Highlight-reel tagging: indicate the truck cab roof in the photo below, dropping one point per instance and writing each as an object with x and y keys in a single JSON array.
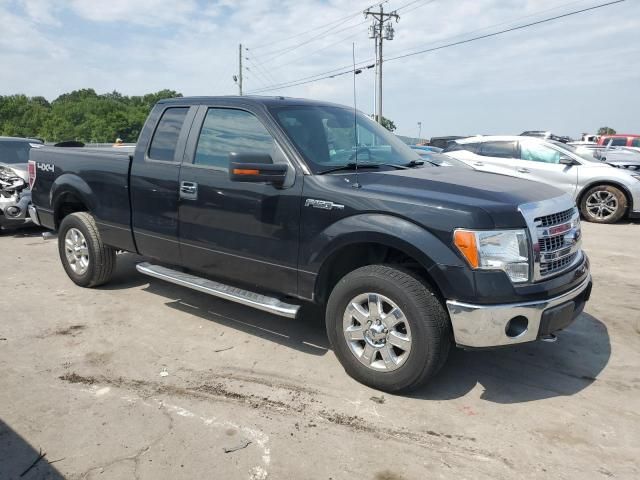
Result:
[{"x": 258, "y": 100}]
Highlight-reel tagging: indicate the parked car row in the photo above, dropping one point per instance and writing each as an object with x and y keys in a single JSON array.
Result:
[
  {"x": 15, "y": 195},
  {"x": 604, "y": 194}
]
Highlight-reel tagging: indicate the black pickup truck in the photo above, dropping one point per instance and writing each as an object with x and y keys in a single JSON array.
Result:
[{"x": 274, "y": 202}]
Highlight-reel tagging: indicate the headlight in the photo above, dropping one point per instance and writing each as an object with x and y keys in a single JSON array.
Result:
[{"x": 506, "y": 250}]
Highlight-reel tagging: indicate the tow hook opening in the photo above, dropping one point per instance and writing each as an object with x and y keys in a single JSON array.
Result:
[{"x": 517, "y": 326}]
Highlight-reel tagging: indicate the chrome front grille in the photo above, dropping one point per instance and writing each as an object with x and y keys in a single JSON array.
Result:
[
  {"x": 551, "y": 243},
  {"x": 555, "y": 218},
  {"x": 555, "y": 232},
  {"x": 547, "y": 268}
]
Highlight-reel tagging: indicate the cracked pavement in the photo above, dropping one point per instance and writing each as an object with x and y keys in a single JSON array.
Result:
[{"x": 82, "y": 379}]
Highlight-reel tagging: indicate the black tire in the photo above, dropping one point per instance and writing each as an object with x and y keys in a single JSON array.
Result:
[
  {"x": 618, "y": 199},
  {"x": 102, "y": 258},
  {"x": 427, "y": 318}
]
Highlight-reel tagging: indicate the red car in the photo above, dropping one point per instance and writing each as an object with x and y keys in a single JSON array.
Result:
[{"x": 620, "y": 140}]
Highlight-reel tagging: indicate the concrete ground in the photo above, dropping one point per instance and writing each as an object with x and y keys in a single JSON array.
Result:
[{"x": 143, "y": 379}]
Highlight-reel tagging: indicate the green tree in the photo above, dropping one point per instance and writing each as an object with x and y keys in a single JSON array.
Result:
[
  {"x": 82, "y": 115},
  {"x": 606, "y": 131},
  {"x": 388, "y": 124}
]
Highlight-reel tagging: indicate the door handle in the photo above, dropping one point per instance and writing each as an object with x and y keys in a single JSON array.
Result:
[
  {"x": 524, "y": 170},
  {"x": 189, "y": 190},
  {"x": 479, "y": 164}
]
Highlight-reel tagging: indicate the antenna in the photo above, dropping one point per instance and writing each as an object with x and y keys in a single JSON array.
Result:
[{"x": 355, "y": 113}]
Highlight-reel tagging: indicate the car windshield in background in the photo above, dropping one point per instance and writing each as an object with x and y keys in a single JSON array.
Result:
[
  {"x": 581, "y": 153},
  {"x": 13, "y": 152},
  {"x": 326, "y": 137}
]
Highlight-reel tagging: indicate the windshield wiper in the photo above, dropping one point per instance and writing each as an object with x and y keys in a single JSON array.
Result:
[
  {"x": 352, "y": 166},
  {"x": 415, "y": 163}
]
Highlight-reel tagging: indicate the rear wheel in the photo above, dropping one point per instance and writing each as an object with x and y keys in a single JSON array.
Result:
[
  {"x": 87, "y": 261},
  {"x": 387, "y": 328},
  {"x": 603, "y": 204}
]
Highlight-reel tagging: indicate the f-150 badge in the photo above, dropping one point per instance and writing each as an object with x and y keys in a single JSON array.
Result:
[{"x": 322, "y": 204}]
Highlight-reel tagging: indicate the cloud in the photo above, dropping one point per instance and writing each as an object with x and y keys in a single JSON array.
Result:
[{"x": 137, "y": 46}]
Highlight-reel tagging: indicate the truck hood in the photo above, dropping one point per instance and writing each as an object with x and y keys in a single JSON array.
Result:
[{"x": 459, "y": 190}]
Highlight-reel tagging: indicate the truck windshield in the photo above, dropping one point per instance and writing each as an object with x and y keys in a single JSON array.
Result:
[{"x": 329, "y": 137}]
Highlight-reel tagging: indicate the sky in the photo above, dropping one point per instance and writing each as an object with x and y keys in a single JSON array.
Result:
[{"x": 573, "y": 75}]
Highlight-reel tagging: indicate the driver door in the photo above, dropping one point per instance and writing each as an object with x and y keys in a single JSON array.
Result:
[{"x": 541, "y": 163}]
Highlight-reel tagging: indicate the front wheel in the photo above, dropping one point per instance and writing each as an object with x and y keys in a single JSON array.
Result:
[
  {"x": 603, "y": 204},
  {"x": 387, "y": 328},
  {"x": 87, "y": 261}
]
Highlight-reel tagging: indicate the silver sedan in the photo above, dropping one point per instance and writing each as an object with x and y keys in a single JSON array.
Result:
[{"x": 603, "y": 192}]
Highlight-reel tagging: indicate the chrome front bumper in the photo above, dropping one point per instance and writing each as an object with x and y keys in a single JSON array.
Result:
[{"x": 479, "y": 326}]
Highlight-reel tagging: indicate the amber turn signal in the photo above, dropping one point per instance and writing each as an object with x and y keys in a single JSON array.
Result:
[
  {"x": 466, "y": 243},
  {"x": 242, "y": 171}
]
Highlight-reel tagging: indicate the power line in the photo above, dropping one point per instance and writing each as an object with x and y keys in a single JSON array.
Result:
[
  {"x": 408, "y": 4},
  {"x": 290, "y": 49},
  {"x": 336, "y": 72},
  {"x": 314, "y": 52},
  {"x": 341, "y": 70},
  {"x": 301, "y": 34},
  {"x": 358, "y": 70},
  {"x": 332, "y": 25},
  {"x": 261, "y": 70},
  {"x": 512, "y": 29}
]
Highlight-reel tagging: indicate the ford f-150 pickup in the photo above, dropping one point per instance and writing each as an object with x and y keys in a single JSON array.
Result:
[{"x": 274, "y": 202}]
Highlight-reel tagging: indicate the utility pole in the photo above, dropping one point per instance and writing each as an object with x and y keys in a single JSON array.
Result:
[
  {"x": 419, "y": 132},
  {"x": 380, "y": 30},
  {"x": 240, "y": 68}
]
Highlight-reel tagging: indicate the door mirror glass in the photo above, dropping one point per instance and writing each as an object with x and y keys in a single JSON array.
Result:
[{"x": 256, "y": 168}]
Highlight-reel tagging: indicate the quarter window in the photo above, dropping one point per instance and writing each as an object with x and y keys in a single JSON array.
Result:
[
  {"x": 165, "y": 138},
  {"x": 226, "y": 131},
  {"x": 498, "y": 149},
  {"x": 537, "y": 152}
]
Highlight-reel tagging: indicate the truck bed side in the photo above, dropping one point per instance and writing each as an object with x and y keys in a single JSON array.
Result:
[{"x": 85, "y": 179}]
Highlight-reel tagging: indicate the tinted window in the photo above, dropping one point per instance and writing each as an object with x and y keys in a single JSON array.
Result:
[
  {"x": 498, "y": 149},
  {"x": 165, "y": 138},
  {"x": 226, "y": 131},
  {"x": 14, "y": 152},
  {"x": 537, "y": 152},
  {"x": 618, "y": 142},
  {"x": 635, "y": 142}
]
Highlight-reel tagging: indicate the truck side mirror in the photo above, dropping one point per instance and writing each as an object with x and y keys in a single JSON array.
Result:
[{"x": 256, "y": 168}]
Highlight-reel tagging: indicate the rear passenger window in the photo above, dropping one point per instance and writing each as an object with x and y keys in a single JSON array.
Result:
[
  {"x": 498, "y": 149},
  {"x": 165, "y": 138},
  {"x": 226, "y": 131},
  {"x": 635, "y": 142},
  {"x": 618, "y": 142}
]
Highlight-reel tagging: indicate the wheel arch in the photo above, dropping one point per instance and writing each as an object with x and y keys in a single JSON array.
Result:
[
  {"x": 69, "y": 194},
  {"x": 610, "y": 183},
  {"x": 380, "y": 239}
]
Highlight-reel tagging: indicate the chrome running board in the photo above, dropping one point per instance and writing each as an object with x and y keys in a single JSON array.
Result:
[{"x": 244, "y": 297}]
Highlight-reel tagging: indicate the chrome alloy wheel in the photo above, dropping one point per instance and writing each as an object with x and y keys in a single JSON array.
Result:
[
  {"x": 76, "y": 250},
  {"x": 601, "y": 204},
  {"x": 377, "y": 332}
]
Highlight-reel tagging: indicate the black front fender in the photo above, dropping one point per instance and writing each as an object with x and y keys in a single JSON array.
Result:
[{"x": 438, "y": 259}]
